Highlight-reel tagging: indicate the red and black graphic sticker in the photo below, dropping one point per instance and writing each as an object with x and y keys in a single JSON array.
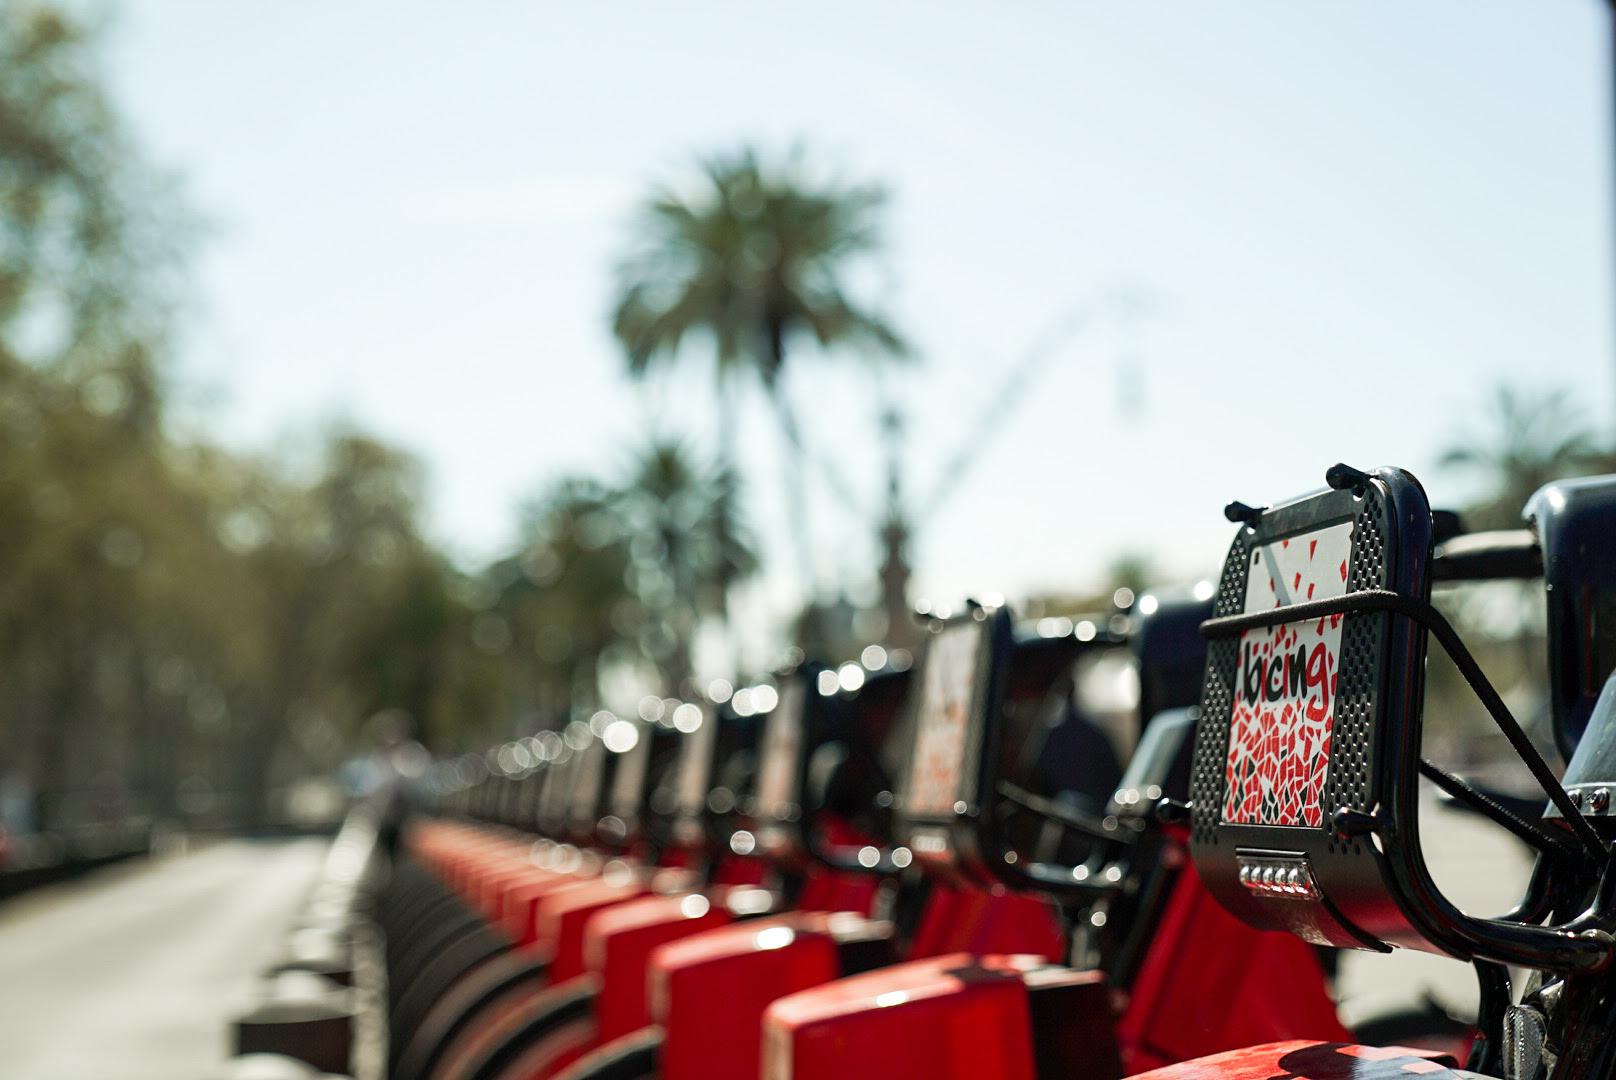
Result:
[{"x": 1285, "y": 684}]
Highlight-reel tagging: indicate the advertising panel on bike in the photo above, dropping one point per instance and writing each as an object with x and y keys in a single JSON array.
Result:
[
  {"x": 1284, "y": 693},
  {"x": 942, "y": 721}
]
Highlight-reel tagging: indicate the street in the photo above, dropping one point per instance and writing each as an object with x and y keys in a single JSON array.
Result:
[{"x": 134, "y": 971}]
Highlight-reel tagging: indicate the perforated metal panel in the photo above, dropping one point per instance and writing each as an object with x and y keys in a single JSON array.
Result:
[
  {"x": 1217, "y": 696},
  {"x": 1292, "y": 870},
  {"x": 1363, "y": 640}
]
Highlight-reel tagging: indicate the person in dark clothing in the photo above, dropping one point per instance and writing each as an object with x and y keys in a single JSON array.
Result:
[{"x": 1061, "y": 753}]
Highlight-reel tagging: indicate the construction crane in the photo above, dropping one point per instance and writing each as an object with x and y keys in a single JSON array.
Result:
[{"x": 899, "y": 519}]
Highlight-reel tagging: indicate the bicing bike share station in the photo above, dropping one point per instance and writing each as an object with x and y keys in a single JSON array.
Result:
[{"x": 938, "y": 873}]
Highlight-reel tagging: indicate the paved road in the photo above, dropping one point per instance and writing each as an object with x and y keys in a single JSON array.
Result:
[{"x": 133, "y": 972}]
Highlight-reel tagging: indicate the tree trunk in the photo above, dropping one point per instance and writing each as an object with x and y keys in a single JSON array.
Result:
[
  {"x": 728, "y": 461},
  {"x": 795, "y": 476},
  {"x": 153, "y": 776},
  {"x": 727, "y": 458},
  {"x": 797, "y": 494}
]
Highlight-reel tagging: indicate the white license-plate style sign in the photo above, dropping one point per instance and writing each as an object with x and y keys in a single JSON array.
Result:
[
  {"x": 947, "y": 687},
  {"x": 1285, "y": 684}
]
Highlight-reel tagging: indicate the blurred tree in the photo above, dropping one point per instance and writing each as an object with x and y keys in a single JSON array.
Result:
[
  {"x": 91, "y": 241},
  {"x": 564, "y": 599},
  {"x": 186, "y": 630},
  {"x": 1529, "y": 438},
  {"x": 620, "y": 572},
  {"x": 754, "y": 259},
  {"x": 353, "y": 605},
  {"x": 1132, "y": 570},
  {"x": 92, "y": 238},
  {"x": 687, "y": 550},
  {"x": 183, "y": 629}
]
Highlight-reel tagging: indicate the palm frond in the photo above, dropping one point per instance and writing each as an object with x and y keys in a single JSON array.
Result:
[
  {"x": 753, "y": 258},
  {"x": 1529, "y": 439}
]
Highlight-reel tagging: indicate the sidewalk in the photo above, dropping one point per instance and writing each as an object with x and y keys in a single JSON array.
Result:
[{"x": 133, "y": 971}]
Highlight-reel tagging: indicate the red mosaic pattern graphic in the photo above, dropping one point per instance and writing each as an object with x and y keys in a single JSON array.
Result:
[
  {"x": 1285, "y": 685},
  {"x": 947, "y": 686}
]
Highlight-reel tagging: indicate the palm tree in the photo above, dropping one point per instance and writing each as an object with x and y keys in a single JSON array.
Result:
[
  {"x": 625, "y": 570},
  {"x": 566, "y": 594},
  {"x": 1529, "y": 440},
  {"x": 687, "y": 549},
  {"x": 753, "y": 261}
]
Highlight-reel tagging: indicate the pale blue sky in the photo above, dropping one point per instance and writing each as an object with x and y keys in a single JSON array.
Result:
[{"x": 417, "y": 208}]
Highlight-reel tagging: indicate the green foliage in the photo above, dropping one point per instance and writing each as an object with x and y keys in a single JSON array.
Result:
[
  {"x": 754, "y": 259},
  {"x": 91, "y": 236},
  {"x": 1527, "y": 439},
  {"x": 172, "y": 611},
  {"x": 622, "y": 573},
  {"x": 175, "y": 617},
  {"x": 185, "y": 629},
  {"x": 1132, "y": 570},
  {"x": 687, "y": 550}
]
